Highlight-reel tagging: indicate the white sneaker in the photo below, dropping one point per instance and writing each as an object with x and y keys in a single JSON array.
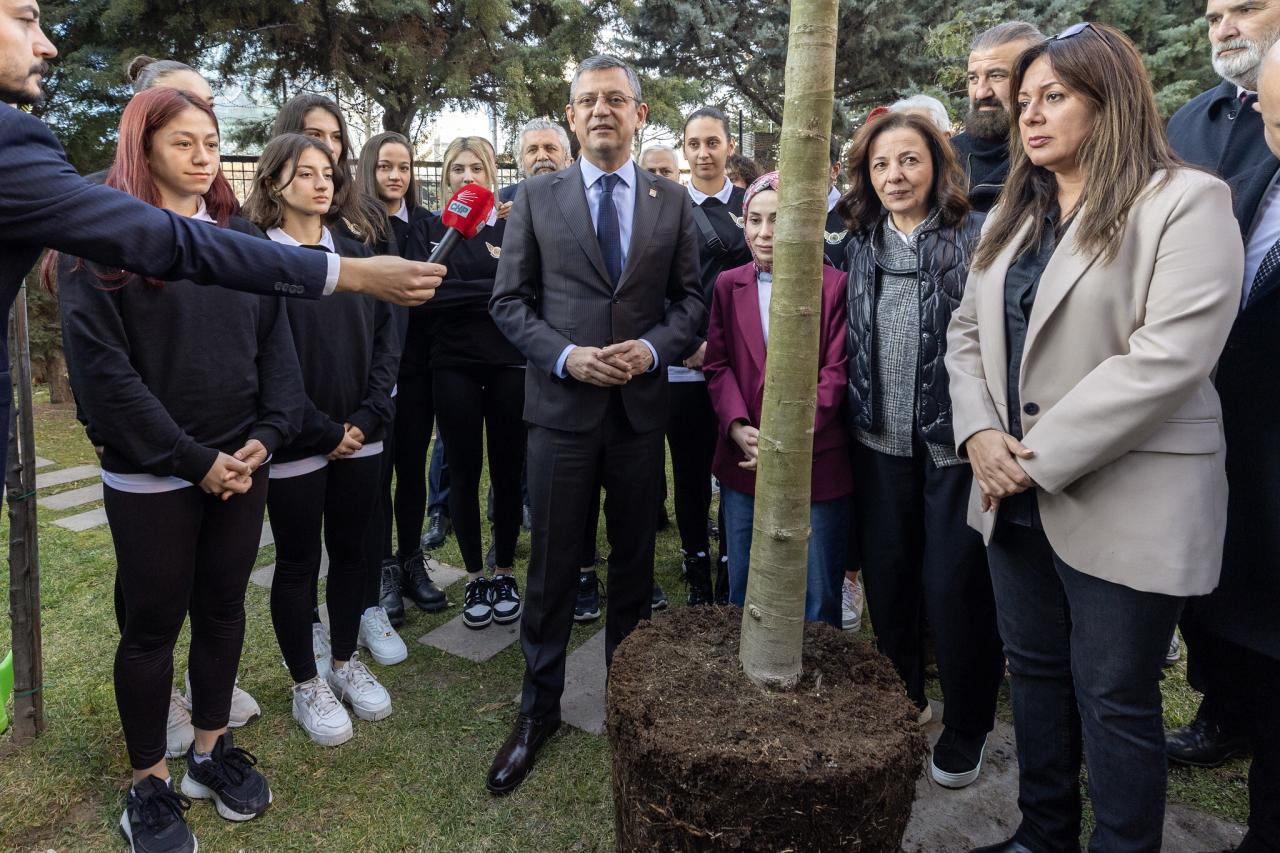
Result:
[
  {"x": 851, "y": 605},
  {"x": 244, "y": 708},
  {"x": 320, "y": 713},
  {"x": 179, "y": 733},
  {"x": 321, "y": 649},
  {"x": 354, "y": 684},
  {"x": 1174, "y": 654},
  {"x": 382, "y": 641}
]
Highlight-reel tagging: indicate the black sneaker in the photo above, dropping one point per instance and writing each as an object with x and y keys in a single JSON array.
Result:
[
  {"x": 477, "y": 603},
  {"x": 587, "y": 607},
  {"x": 228, "y": 778},
  {"x": 506, "y": 599},
  {"x": 722, "y": 581},
  {"x": 438, "y": 527},
  {"x": 957, "y": 758},
  {"x": 659, "y": 599},
  {"x": 417, "y": 586},
  {"x": 697, "y": 574},
  {"x": 389, "y": 597},
  {"x": 154, "y": 819}
]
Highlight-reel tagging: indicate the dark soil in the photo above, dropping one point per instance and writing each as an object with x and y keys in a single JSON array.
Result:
[{"x": 705, "y": 760}]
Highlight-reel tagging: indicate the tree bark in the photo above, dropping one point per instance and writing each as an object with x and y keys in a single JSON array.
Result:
[
  {"x": 773, "y": 620},
  {"x": 55, "y": 375}
]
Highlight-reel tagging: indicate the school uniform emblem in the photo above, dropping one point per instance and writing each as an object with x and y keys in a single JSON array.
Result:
[
  {"x": 834, "y": 238},
  {"x": 494, "y": 251},
  {"x": 737, "y": 220}
]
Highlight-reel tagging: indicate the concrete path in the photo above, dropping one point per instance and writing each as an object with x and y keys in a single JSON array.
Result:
[{"x": 66, "y": 475}]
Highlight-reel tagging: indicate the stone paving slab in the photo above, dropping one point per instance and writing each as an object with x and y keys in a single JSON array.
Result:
[
  {"x": 83, "y": 521},
  {"x": 74, "y": 498},
  {"x": 474, "y": 645},
  {"x": 986, "y": 812},
  {"x": 41, "y": 462},
  {"x": 67, "y": 475},
  {"x": 583, "y": 700}
]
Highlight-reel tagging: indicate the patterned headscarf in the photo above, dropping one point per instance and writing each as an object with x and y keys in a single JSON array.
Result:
[{"x": 767, "y": 181}]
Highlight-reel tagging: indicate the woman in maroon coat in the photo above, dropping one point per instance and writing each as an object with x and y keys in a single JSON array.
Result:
[{"x": 737, "y": 342}]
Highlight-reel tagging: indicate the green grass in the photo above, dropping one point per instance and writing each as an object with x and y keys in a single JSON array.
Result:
[{"x": 412, "y": 781}]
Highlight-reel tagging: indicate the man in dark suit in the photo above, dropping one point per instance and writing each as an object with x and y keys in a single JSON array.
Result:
[
  {"x": 599, "y": 289},
  {"x": 1220, "y": 130},
  {"x": 45, "y": 204}
]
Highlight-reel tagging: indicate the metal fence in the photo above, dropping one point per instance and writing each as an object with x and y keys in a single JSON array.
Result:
[{"x": 239, "y": 170}]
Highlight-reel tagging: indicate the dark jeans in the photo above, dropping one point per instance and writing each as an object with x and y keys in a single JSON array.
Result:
[
  {"x": 917, "y": 553},
  {"x": 1085, "y": 656},
  {"x": 179, "y": 552}
]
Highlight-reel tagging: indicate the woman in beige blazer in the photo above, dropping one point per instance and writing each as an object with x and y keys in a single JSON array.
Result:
[{"x": 1099, "y": 299}]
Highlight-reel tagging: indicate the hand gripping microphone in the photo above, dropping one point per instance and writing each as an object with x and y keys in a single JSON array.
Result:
[{"x": 463, "y": 216}]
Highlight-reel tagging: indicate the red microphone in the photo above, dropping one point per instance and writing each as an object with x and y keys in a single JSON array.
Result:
[{"x": 463, "y": 217}]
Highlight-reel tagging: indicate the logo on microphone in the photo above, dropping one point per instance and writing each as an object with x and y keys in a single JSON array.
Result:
[{"x": 459, "y": 208}]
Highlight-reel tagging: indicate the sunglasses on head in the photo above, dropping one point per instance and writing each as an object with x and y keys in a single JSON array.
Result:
[{"x": 1074, "y": 30}]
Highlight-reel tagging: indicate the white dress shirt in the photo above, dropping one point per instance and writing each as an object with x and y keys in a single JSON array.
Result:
[
  {"x": 1263, "y": 235},
  {"x": 723, "y": 196},
  {"x": 764, "y": 292},
  {"x": 833, "y": 196}
]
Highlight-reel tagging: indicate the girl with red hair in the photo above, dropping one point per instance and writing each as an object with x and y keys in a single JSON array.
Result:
[{"x": 188, "y": 390}]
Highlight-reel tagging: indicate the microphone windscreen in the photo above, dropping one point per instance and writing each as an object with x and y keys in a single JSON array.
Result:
[{"x": 468, "y": 209}]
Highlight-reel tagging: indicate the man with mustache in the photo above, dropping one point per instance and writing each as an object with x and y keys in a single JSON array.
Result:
[
  {"x": 983, "y": 148},
  {"x": 1221, "y": 130},
  {"x": 544, "y": 148},
  {"x": 45, "y": 204}
]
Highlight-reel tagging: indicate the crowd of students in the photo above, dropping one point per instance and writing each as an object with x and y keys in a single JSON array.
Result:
[{"x": 1017, "y": 442}]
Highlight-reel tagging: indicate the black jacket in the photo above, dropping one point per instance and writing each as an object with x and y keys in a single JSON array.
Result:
[
  {"x": 986, "y": 165},
  {"x": 168, "y": 376},
  {"x": 1214, "y": 130},
  {"x": 944, "y": 255}
]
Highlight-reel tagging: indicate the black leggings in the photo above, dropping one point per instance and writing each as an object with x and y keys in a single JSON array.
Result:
[
  {"x": 467, "y": 400},
  {"x": 691, "y": 434},
  {"x": 178, "y": 552},
  {"x": 415, "y": 419},
  {"x": 377, "y": 537},
  {"x": 340, "y": 496}
]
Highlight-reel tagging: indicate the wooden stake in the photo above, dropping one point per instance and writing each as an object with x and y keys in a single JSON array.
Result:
[{"x": 24, "y": 551}]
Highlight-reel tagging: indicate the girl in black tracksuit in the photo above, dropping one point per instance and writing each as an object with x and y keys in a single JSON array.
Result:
[
  {"x": 328, "y": 477},
  {"x": 692, "y": 426},
  {"x": 189, "y": 389},
  {"x": 478, "y": 384}
]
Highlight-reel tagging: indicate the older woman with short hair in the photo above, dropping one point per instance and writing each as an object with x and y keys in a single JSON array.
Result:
[
  {"x": 912, "y": 236},
  {"x": 1080, "y": 359}
]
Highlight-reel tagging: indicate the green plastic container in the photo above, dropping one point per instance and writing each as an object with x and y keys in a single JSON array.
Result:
[{"x": 6, "y": 689}]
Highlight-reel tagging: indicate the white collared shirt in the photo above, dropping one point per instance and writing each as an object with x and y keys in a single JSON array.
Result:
[
  {"x": 699, "y": 196},
  {"x": 833, "y": 196},
  {"x": 624, "y": 198},
  {"x": 403, "y": 213},
  {"x": 764, "y": 292},
  {"x": 278, "y": 234}
]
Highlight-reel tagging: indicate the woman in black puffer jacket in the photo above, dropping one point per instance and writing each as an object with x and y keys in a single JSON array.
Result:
[{"x": 912, "y": 238}]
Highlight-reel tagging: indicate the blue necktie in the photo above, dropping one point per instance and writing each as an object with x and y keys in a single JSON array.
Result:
[{"x": 607, "y": 230}]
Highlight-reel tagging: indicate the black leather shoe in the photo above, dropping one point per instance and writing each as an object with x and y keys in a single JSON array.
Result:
[
  {"x": 1010, "y": 846},
  {"x": 587, "y": 606},
  {"x": 389, "y": 597},
  {"x": 1202, "y": 743},
  {"x": 722, "y": 581},
  {"x": 438, "y": 527},
  {"x": 697, "y": 573},
  {"x": 417, "y": 586},
  {"x": 515, "y": 759}
]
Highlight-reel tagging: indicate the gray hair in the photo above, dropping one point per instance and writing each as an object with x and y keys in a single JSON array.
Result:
[
  {"x": 931, "y": 106},
  {"x": 603, "y": 62},
  {"x": 544, "y": 124},
  {"x": 666, "y": 149},
  {"x": 145, "y": 73},
  {"x": 1006, "y": 33}
]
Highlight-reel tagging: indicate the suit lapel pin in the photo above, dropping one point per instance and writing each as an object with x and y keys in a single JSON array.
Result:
[{"x": 653, "y": 193}]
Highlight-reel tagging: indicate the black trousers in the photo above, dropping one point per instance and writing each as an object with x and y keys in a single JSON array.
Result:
[
  {"x": 565, "y": 473},
  {"x": 180, "y": 552},
  {"x": 411, "y": 435},
  {"x": 472, "y": 404},
  {"x": 692, "y": 428},
  {"x": 377, "y": 537},
  {"x": 337, "y": 500},
  {"x": 915, "y": 549},
  {"x": 1209, "y": 672}
]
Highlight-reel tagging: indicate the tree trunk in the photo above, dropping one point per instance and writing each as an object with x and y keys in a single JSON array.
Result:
[
  {"x": 773, "y": 620},
  {"x": 55, "y": 375}
]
